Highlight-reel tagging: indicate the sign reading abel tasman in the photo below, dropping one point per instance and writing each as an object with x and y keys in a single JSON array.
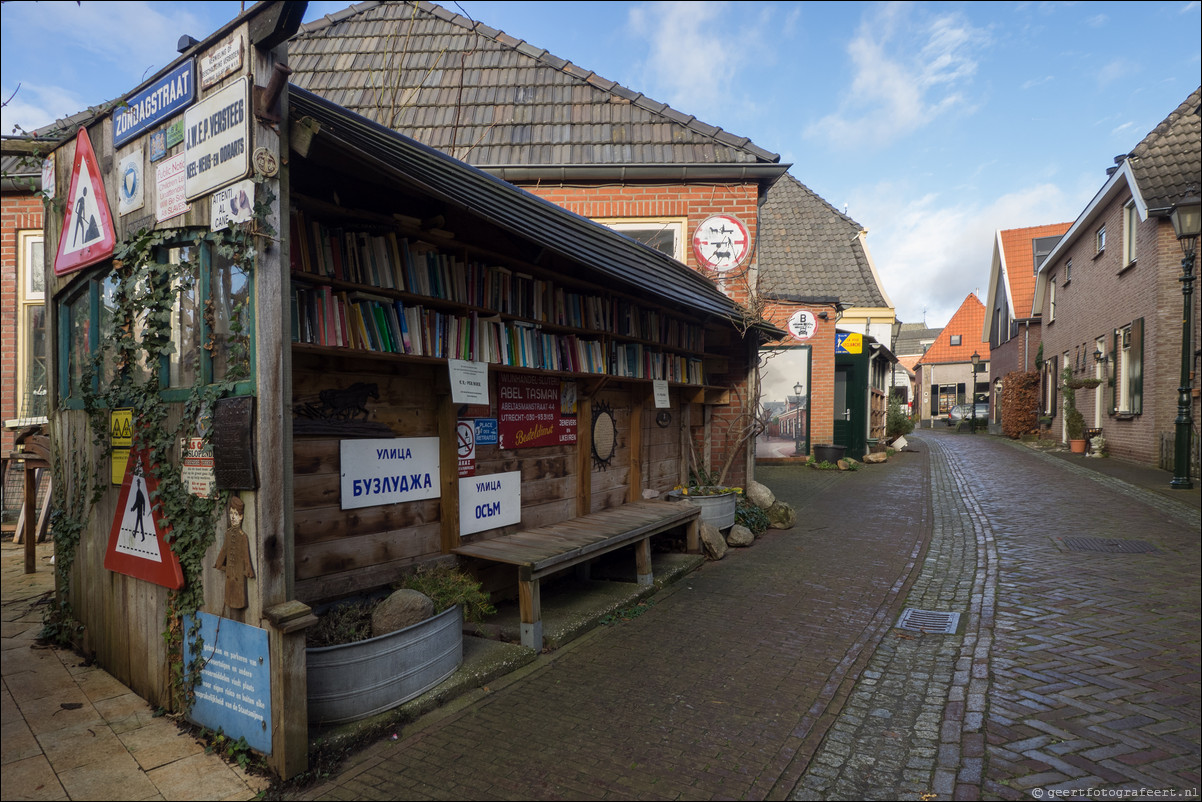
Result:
[
  {"x": 217, "y": 140},
  {"x": 400, "y": 469}
]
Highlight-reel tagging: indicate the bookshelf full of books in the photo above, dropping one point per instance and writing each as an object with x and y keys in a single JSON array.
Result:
[{"x": 372, "y": 288}]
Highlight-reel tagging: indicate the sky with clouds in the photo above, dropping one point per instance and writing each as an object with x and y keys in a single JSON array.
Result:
[{"x": 934, "y": 124}]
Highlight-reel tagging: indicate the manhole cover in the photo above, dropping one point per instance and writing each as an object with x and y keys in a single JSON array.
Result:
[
  {"x": 931, "y": 622},
  {"x": 1107, "y": 545}
]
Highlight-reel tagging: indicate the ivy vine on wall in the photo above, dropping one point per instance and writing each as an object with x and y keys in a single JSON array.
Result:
[{"x": 123, "y": 372}]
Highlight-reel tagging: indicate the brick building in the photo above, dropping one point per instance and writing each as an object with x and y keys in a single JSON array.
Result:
[
  {"x": 1011, "y": 328},
  {"x": 945, "y": 371},
  {"x": 1110, "y": 296}
]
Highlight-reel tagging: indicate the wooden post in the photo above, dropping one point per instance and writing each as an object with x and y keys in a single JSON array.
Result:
[
  {"x": 30, "y": 514},
  {"x": 634, "y": 487},
  {"x": 584, "y": 455},
  {"x": 448, "y": 459},
  {"x": 642, "y": 562},
  {"x": 531, "y": 609}
]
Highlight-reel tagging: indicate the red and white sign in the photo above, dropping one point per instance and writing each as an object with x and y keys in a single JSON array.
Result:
[
  {"x": 88, "y": 236},
  {"x": 465, "y": 447},
  {"x": 803, "y": 324},
  {"x": 136, "y": 546}
]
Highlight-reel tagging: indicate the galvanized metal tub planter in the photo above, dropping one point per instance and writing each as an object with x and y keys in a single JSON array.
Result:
[
  {"x": 351, "y": 681},
  {"x": 829, "y": 453},
  {"x": 717, "y": 504}
]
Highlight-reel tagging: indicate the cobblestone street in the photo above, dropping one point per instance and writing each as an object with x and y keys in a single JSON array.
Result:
[{"x": 779, "y": 673}]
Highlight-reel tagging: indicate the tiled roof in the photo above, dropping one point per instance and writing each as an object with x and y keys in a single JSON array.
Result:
[
  {"x": 490, "y": 99},
  {"x": 807, "y": 248},
  {"x": 910, "y": 339},
  {"x": 967, "y": 322},
  {"x": 1018, "y": 263},
  {"x": 1167, "y": 164}
]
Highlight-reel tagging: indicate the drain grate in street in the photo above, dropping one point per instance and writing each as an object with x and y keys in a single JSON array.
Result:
[
  {"x": 931, "y": 622},
  {"x": 1108, "y": 545}
]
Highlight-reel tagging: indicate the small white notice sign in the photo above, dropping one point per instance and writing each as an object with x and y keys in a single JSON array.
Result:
[
  {"x": 169, "y": 200},
  {"x": 232, "y": 204},
  {"x": 488, "y": 502},
  {"x": 659, "y": 389},
  {"x": 469, "y": 381},
  {"x": 392, "y": 471}
]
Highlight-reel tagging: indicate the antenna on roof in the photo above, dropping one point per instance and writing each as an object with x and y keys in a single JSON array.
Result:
[{"x": 924, "y": 317}]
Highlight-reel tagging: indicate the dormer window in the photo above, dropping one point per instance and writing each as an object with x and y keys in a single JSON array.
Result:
[{"x": 955, "y": 339}]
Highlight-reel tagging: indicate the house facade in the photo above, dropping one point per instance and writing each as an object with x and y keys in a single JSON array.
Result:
[
  {"x": 606, "y": 152},
  {"x": 1011, "y": 329},
  {"x": 1110, "y": 298},
  {"x": 945, "y": 374}
]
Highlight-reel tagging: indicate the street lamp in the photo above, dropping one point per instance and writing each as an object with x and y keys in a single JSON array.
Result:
[
  {"x": 972, "y": 397},
  {"x": 1187, "y": 224},
  {"x": 797, "y": 388}
]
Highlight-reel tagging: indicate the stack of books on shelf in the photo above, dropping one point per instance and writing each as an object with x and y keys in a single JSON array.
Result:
[{"x": 502, "y": 321}]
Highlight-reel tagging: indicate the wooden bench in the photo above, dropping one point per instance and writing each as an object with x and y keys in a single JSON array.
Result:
[{"x": 548, "y": 549}]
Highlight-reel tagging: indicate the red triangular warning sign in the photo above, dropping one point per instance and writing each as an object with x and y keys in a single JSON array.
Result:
[
  {"x": 136, "y": 545},
  {"x": 88, "y": 236}
]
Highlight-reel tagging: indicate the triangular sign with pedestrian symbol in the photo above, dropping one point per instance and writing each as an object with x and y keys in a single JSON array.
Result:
[
  {"x": 136, "y": 546},
  {"x": 88, "y": 236}
]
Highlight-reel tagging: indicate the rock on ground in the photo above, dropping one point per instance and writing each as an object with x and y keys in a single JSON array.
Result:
[{"x": 740, "y": 537}]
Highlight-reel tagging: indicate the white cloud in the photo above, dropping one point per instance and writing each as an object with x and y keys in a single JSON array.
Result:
[
  {"x": 932, "y": 251},
  {"x": 899, "y": 88}
]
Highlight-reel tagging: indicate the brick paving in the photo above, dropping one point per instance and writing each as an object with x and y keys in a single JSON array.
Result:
[{"x": 778, "y": 673}]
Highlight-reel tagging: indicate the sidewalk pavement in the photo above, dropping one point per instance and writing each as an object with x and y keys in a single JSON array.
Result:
[{"x": 71, "y": 731}]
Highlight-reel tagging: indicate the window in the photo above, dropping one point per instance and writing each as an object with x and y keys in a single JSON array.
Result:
[
  {"x": 30, "y": 400},
  {"x": 664, "y": 234},
  {"x": 1068, "y": 271},
  {"x": 955, "y": 339},
  {"x": 1130, "y": 223},
  {"x": 1101, "y": 239},
  {"x": 1051, "y": 298},
  {"x": 210, "y": 327},
  {"x": 1128, "y": 352}
]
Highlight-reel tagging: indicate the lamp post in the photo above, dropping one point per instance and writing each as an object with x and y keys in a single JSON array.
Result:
[
  {"x": 972, "y": 396},
  {"x": 1187, "y": 224},
  {"x": 797, "y": 388}
]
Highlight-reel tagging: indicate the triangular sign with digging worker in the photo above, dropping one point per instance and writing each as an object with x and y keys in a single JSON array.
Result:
[
  {"x": 136, "y": 546},
  {"x": 88, "y": 236}
]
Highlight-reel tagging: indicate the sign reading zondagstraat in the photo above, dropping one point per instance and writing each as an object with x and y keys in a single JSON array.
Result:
[{"x": 158, "y": 103}]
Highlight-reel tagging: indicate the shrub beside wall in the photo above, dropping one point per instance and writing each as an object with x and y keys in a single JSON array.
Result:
[{"x": 1020, "y": 404}]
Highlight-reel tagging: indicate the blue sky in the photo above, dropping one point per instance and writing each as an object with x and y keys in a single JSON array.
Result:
[{"x": 935, "y": 124}]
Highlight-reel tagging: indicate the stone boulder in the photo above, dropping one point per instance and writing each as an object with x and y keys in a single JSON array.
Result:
[
  {"x": 876, "y": 458},
  {"x": 759, "y": 495},
  {"x": 740, "y": 537},
  {"x": 781, "y": 516},
  {"x": 404, "y": 608},
  {"x": 712, "y": 541}
]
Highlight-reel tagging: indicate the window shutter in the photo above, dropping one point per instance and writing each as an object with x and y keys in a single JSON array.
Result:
[
  {"x": 1112, "y": 371},
  {"x": 1137, "y": 366}
]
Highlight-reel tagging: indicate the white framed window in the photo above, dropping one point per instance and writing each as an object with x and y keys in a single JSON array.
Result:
[
  {"x": 1130, "y": 224},
  {"x": 1128, "y": 352},
  {"x": 31, "y": 327},
  {"x": 1068, "y": 271},
  {"x": 1051, "y": 297},
  {"x": 664, "y": 234},
  {"x": 1100, "y": 239}
]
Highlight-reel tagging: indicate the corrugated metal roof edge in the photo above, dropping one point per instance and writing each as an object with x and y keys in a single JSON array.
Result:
[
  {"x": 562, "y": 65},
  {"x": 514, "y": 209}
]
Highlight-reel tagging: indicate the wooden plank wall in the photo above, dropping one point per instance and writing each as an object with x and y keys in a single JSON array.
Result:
[
  {"x": 123, "y": 617},
  {"x": 341, "y": 553}
]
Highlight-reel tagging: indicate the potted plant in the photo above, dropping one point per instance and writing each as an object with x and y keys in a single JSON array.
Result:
[
  {"x": 717, "y": 501},
  {"x": 1074, "y": 421},
  {"x": 368, "y": 672}
]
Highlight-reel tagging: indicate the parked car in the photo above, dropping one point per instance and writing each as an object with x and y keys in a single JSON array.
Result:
[{"x": 962, "y": 411}]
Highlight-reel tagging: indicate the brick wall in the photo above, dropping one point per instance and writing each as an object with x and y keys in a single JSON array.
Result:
[
  {"x": 18, "y": 212},
  {"x": 1100, "y": 298}
]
